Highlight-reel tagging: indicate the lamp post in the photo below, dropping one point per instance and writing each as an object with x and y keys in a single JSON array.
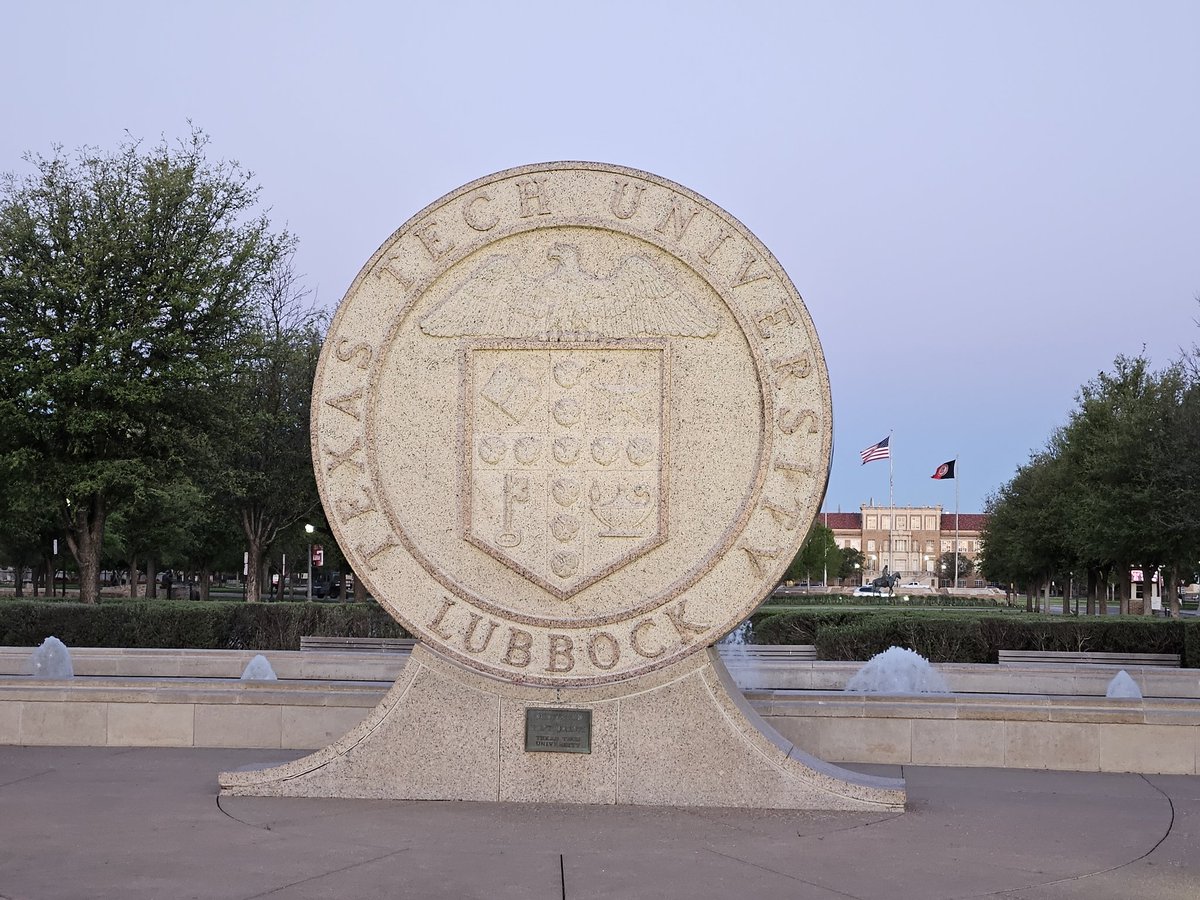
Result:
[{"x": 308, "y": 583}]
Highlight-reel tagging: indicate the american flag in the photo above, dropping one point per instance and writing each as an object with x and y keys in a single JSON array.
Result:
[{"x": 876, "y": 451}]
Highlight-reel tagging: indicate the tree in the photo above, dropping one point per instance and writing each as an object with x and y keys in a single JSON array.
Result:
[
  {"x": 817, "y": 557},
  {"x": 216, "y": 536},
  {"x": 266, "y": 468},
  {"x": 1027, "y": 540},
  {"x": 27, "y": 524},
  {"x": 851, "y": 563},
  {"x": 124, "y": 280},
  {"x": 157, "y": 524},
  {"x": 1121, "y": 418},
  {"x": 965, "y": 565},
  {"x": 1175, "y": 465},
  {"x": 1114, "y": 489}
]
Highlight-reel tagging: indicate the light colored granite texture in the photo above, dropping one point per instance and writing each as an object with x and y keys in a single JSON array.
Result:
[
  {"x": 1068, "y": 680},
  {"x": 1154, "y": 735},
  {"x": 1086, "y": 734},
  {"x": 176, "y": 663},
  {"x": 682, "y": 736},
  {"x": 149, "y": 712},
  {"x": 571, "y": 423}
]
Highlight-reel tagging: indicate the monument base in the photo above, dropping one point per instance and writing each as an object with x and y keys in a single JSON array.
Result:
[{"x": 681, "y": 736}]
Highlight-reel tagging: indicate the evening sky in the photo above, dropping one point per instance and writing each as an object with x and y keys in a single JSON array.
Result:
[{"x": 982, "y": 204}]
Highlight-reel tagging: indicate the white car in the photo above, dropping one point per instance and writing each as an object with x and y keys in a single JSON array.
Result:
[
  {"x": 915, "y": 586},
  {"x": 867, "y": 591}
]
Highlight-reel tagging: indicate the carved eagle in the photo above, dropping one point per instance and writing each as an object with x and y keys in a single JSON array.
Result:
[{"x": 637, "y": 299}]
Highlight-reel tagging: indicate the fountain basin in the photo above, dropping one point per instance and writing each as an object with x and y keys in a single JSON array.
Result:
[
  {"x": 1038, "y": 679},
  {"x": 293, "y": 665},
  {"x": 181, "y": 712},
  {"x": 1037, "y": 716},
  {"x": 1028, "y": 731}
]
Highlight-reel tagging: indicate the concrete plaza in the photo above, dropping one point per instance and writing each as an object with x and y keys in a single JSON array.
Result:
[{"x": 134, "y": 823}]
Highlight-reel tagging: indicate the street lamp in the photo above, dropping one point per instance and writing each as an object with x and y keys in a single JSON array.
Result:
[{"x": 309, "y": 529}]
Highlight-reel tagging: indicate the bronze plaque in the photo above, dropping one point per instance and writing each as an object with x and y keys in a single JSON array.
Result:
[{"x": 558, "y": 730}]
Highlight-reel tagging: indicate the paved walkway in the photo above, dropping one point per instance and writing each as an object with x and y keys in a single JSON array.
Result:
[{"x": 140, "y": 823}]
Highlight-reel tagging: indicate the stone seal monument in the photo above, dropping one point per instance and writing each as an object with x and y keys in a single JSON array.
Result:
[{"x": 570, "y": 425}]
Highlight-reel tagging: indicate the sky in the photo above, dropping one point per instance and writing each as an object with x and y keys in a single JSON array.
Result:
[{"x": 981, "y": 204}]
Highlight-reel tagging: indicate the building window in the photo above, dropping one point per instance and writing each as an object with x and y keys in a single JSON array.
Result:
[
  {"x": 885, "y": 522},
  {"x": 901, "y": 521},
  {"x": 871, "y": 520},
  {"x": 929, "y": 526},
  {"x": 870, "y": 546},
  {"x": 929, "y": 546}
]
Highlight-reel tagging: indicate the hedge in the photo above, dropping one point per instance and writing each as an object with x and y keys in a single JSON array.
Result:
[
  {"x": 768, "y": 627},
  {"x": 940, "y": 636},
  {"x": 898, "y": 600},
  {"x": 214, "y": 625},
  {"x": 959, "y": 637}
]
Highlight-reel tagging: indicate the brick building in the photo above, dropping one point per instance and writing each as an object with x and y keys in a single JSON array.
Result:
[{"x": 908, "y": 539}]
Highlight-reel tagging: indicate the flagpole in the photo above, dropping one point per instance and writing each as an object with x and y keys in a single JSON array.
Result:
[
  {"x": 956, "y": 521},
  {"x": 825, "y": 557},
  {"x": 891, "y": 502}
]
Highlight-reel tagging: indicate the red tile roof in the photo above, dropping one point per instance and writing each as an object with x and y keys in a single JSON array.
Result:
[
  {"x": 966, "y": 522},
  {"x": 840, "y": 521},
  {"x": 844, "y": 521}
]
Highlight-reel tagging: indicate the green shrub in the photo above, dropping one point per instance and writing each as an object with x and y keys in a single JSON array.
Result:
[
  {"x": 1098, "y": 634},
  {"x": 215, "y": 625},
  {"x": 898, "y": 600},
  {"x": 941, "y": 640},
  {"x": 1191, "y": 644},
  {"x": 963, "y": 637},
  {"x": 795, "y": 627},
  {"x": 860, "y": 639}
]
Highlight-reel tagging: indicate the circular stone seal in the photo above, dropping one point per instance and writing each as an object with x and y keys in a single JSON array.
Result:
[{"x": 571, "y": 423}]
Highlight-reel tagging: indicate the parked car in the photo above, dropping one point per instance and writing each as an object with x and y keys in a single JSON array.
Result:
[
  {"x": 868, "y": 591},
  {"x": 792, "y": 587},
  {"x": 323, "y": 588},
  {"x": 915, "y": 586}
]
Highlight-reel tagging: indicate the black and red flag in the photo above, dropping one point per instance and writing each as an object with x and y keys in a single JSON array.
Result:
[{"x": 945, "y": 470}]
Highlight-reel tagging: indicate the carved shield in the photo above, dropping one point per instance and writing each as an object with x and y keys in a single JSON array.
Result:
[{"x": 565, "y": 456}]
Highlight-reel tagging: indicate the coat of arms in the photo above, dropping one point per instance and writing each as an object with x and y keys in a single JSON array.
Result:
[{"x": 566, "y": 398}]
